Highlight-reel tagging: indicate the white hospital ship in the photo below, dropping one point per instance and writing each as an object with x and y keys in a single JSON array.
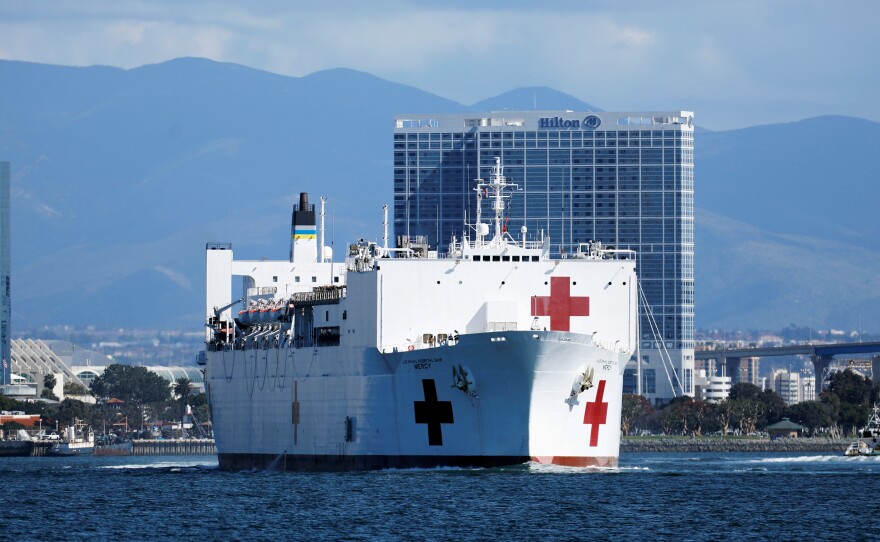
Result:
[{"x": 493, "y": 354}]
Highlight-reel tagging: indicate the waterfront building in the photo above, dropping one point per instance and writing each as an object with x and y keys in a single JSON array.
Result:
[
  {"x": 625, "y": 179},
  {"x": 32, "y": 359},
  {"x": 87, "y": 373},
  {"x": 785, "y": 429}
]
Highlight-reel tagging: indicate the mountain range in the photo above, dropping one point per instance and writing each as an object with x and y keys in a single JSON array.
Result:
[{"x": 120, "y": 177}]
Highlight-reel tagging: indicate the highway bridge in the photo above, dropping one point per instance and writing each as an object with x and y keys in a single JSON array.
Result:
[{"x": 820, "y": 354}]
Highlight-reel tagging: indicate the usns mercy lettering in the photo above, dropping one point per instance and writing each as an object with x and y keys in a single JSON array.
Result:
[{"x": 491, "y": 354}]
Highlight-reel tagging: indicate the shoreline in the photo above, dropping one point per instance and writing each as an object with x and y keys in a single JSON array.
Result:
[{"x": 719, "y": 444}]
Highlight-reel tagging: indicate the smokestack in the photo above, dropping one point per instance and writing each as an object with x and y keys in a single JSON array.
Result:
[{"x": 303, "y": 234}]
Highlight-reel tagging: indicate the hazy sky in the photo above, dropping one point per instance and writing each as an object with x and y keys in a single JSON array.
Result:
[{"x": 735, "y": 63}]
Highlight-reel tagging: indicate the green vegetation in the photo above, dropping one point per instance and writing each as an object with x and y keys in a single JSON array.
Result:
[
  {"x": 146, "y": 397},
  {"x": 72, "y": 388},
  {"x": 49, "y": 384},
  {"x": 134, "y": 385},
  {"x": 182, "y": 389},
  {"x": 843, "y": 408}
]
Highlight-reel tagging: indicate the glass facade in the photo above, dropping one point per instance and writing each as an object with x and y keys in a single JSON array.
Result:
[{"x": 625, "y": 179}]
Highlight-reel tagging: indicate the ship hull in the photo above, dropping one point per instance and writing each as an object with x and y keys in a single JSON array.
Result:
[
  {"x": 120, "y": 449},
  {"x": 328, "y": 463},
  {"x": 67, "y": 451},
  {"x": 490, "y": 399}
]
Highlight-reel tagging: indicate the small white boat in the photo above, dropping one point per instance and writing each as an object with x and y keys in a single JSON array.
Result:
[{"x": 869, "y": 441}]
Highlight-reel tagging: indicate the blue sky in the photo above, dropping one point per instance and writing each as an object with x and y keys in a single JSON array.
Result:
[{"x": 735, "y": 64}]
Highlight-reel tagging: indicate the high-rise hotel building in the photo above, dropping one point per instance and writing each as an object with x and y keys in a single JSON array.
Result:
[
  {"x": 625, "y": 179},
  {"x": 5, "y": 273}
]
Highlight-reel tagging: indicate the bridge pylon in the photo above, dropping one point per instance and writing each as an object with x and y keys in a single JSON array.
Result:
[{"x": 820, "y": 368}]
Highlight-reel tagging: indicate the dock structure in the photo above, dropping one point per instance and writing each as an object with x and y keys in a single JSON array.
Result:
[
  {"x": 24, "y": 448},
  {"x": 173, "y": 447}
]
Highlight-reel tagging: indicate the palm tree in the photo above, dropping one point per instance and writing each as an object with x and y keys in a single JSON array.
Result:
[
  {"x": 49, "y": 383},
  {"x": 182, "y": 388}
]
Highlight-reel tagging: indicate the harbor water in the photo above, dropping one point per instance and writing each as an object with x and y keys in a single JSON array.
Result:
[{"x": 676, "y": 496}]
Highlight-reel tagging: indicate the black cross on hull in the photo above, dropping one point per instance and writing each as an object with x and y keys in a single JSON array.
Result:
[{"x": 433, "y": 412}]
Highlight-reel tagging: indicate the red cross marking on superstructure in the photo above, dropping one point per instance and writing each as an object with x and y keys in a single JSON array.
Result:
[
  {"x": 559, "y": 305},
  {"x": 596, "y": 413}
]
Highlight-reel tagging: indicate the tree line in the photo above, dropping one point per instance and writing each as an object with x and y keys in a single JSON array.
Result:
[
  {"x": 842, "y": 409},
  {"x": 145, "y": 396}
]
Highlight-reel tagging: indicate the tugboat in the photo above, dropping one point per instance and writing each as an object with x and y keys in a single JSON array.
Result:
[
  {"x": 79, "y": 439},
  {"x": 870, "y": 438}
]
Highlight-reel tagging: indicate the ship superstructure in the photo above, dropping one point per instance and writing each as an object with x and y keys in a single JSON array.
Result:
[{"x": 491, "y": 354}]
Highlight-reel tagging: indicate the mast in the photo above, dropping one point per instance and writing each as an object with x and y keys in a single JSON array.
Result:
[
  {"x": 497, "y": 184},
  {"x": 321, "y": 246},
  {"x": 385, "y": 227}
]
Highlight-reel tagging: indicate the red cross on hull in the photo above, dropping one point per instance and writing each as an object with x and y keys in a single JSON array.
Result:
[
  {"x": 559, "y": 305},
  {"x": 596, "y": 414}
]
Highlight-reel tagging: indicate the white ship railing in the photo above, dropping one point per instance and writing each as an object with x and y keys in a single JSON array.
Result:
[{"x": 459, "y": 246}]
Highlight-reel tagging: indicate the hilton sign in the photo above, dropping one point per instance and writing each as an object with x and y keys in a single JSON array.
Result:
[{"x": 591, "y": 122}]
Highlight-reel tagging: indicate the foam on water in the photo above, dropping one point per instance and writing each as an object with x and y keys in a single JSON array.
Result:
[
  {"x": 164, "y": 465},
  {"x": 817, "y": 459},
  {"x": 561, "y": 469}
]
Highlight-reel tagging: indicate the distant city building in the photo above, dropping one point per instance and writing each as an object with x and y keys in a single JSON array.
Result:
[
  {"x": 625, "y": 179},
  {"x": 748, "y": 371},
  {"x": 808, "y": 388},
  {"x": 787, "y": 385},
  {"x": 710, "y": 387}
]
